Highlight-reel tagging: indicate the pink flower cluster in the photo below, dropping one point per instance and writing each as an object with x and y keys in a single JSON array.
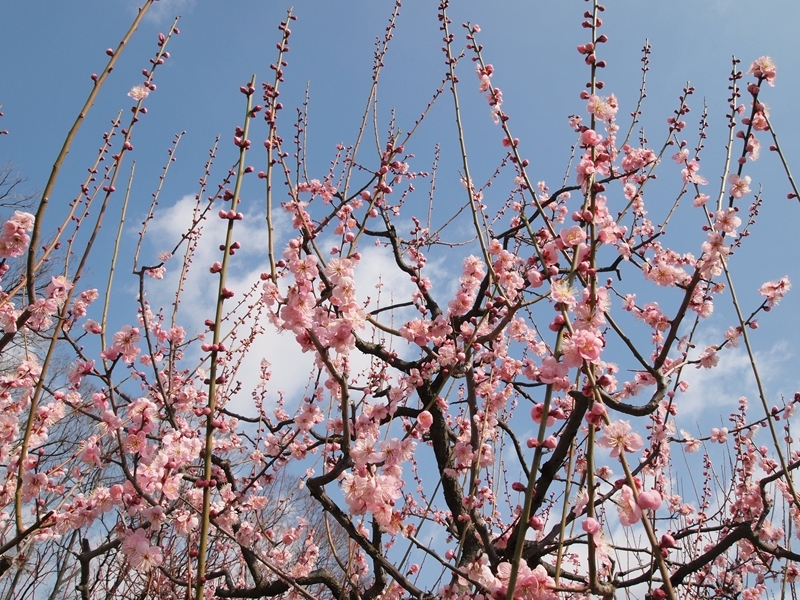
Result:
[{"x": 14, "y": 238}]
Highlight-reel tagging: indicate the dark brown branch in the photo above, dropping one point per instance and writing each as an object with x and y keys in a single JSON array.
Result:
[{"x": 278, "y": 587}]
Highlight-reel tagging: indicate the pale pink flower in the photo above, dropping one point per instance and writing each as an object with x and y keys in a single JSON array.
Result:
[
  {"x": 92, "y": 326},
  {"x": 561, "y": 291},
  {"x": 140, "y": 553},
  {"x": 79, "y": 370},
  {"x": 690, "y": 173},
  {"x": 629, "y": 512},
  {"x": 692, "y": 444},
  {"x": 664, "y": 274},
  {"x": 753, "y": 148},
  {"x": 618, "y": 436},
  {"x": 732, "y": 335},
  {"x": 635, "y": 159},
  {"x": 720, "y": 436},
  {"x": 156, "y": 272},
  {"x": 739, "y": 185},
  {"x": 365, "y": 451},
  {"x": 90, "y": 453},
  {"x": 124, "y": 342},
  {"x": 573, "y": 236},
  {"x": 773, "y": 291},
  {"x": 308, "y": 417},
  {"x": 587, "y": 344},
  {"x": 760, "y": 122},
  {"x": 551, "y": 370},
  {"x": 603, "y": 108},
  {"x": 681, "y": 156},
  {"x": 727, "y": 221},
  {"x": 764, "y": 67},
  {"x": 709, "y": 358},
  {"x": 23, "y": 220},
  {"x": 139, "y": 92},
  {"x": 532, "y": 584}
]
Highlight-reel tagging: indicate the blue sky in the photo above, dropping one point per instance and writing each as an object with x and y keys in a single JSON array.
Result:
[{"x": 51, "y": 47}]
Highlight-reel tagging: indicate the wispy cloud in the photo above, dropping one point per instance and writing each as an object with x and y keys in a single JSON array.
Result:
[
  {"x": 712, "y": 391},
  {"x": 164, "y": 11}
]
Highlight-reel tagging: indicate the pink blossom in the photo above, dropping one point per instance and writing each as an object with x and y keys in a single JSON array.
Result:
[
  {"x": 90, "y": 453},
  {"x": 690, "y": 173},
  {"x": 719, "y": 436},
  {"x": 582, "y": 345},
  {"x": 364, "y": 451},
  {"x": 603, "y": 108},
  {"x": 590, "y": 525},
  {"x": 760, "y": 118},
  {"x": 139, "y": 92},
  {"x": 637, "y": 158},
  {"x": 590, "y": 137},
  {"x": 79, "y": 370},
  {"x": 773, "y": 291},
  {"x": 537, "y": 412},
  {"x": 573, "y": 236},
  {"x": 156, "y": 272},
  {"x": 92, "y": 326},
  {"x": 596, "y": 413},
  {"x": 618, "y": 436},
  {"x": 739, "y": 185},
  {"x": 124, "y": 343},
  {"x": 726, "y": 221},
  {"x": 753, "y": 148},
  {"x": 551, "y": 370},
  {"x": 681, "y": 156},
  {"x": 141, "y": 555},
  {"x": 709, "y": 358},
  {"x": 692, "y": 444},
  {"x": 664, "y": 274},
  {"x": 308, "y": 416},
  {"x": 763, "y": 67},
  {"x": 561, "y": 291},
  {"x": 424, "y": 421},
  {"x": 629, "y": 512},
  {"x": 531, "y": 584},
  {"x": 23, "y": 220}
]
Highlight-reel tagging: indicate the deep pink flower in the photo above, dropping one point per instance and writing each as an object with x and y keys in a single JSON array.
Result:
[
  {"x": 649, "y": 500},
  {"x": 424, "y": 421},
  {"x": 590, "y": 525}
]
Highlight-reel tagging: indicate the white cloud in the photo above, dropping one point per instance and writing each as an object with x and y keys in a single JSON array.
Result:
[
  {"x": 378, "y": 283},
  {"x": 164, "y": 11},
  {"x": 714, "y": 393}
]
